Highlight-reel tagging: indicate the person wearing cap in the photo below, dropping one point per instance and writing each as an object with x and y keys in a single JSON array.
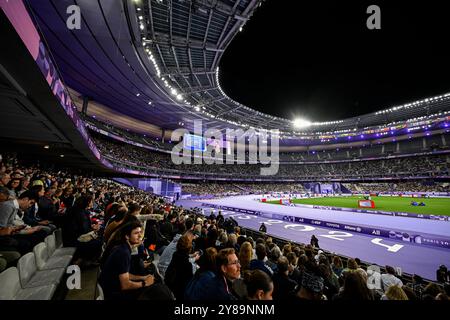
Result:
[{"x": 311, "y": 287}]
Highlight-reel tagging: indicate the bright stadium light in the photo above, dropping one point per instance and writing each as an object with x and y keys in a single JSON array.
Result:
[{"x": 301, "y": 123}]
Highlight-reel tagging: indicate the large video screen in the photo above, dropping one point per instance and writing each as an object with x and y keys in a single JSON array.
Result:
[{"x": 193, "y": 142}]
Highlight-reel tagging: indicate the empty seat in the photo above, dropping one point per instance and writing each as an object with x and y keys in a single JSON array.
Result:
[
  {"x": 55, "y": 245},
  {"x": 10, "y": 288},
  {"x": 46, "y": 262},
  {"x": 31, "y": 277},
  {"x": 50, "y": 242}
]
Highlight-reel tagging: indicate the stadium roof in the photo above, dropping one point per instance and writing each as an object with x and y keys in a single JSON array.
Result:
[{"x": 157, "y": 61}]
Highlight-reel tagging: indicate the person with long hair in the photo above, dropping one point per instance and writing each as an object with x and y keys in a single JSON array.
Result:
[
  {"x": 14, "y": 186},
  {"x": 206, "y": 272},
  {"x": 394, "y": 293},
  {"x": 180, "y": 270},
  {"x": 355, "y": 288},
  {"x": 259, "y": 286},
  {"x": 245, "y": 255},
  {"x": 77, "y": 223}
]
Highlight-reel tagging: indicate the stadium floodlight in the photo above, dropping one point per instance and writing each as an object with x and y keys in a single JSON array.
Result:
[{"x": 301, "y": 123}]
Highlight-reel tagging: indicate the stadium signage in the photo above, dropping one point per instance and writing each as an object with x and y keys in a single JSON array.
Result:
[
  {"x": 390, "y": 234},
  {"x": 253, "y": 142},
  {"x": 379, "y": 212}
]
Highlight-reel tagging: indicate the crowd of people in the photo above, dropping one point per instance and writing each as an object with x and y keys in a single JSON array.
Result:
[
  {"x": 398, "y": 187},
  {"x": 368, "y": 149},
  {"x": 229, "y": 189},
  {"x": 129, "y": 156},
  {"x": 147, "y": 248}
]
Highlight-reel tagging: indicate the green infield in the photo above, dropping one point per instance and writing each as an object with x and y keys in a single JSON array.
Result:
[{"x": 436, "y": 206}]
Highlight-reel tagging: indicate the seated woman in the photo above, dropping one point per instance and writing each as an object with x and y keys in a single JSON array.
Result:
[
  {"x": 259, "y": 286},
  {"x": 78, "y": 223}
]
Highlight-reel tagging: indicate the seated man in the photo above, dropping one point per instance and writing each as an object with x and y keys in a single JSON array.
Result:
[
  {"x": 260, "y": 263},
  {"x": 11, "y": 212},
  {"x": 220, "y": 287},
  {"x": 116, "y": 281}
]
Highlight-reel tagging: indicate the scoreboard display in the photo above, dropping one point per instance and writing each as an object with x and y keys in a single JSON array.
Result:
[{"x": 194, "y": 142}]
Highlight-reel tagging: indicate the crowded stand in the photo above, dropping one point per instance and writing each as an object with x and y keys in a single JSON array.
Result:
[
  {"x": 99, "y": 104},
  {"x": 153, "y": 162},
  {"x": 369, "y": 149},
  {"x": 377, "y": 187},
  {"x": 149, "y": 249},
  {"x": 241, "y": 188}
]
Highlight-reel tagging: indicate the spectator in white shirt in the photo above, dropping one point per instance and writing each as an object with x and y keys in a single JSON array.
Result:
[{"x": 389, "y": 278}]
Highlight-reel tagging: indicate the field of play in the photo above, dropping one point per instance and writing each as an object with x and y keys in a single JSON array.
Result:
[{"x": 435, "y": 206}]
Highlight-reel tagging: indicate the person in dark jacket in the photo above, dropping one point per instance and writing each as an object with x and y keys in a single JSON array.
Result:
[
  {"x": 263, "y": 228},
  {"x": 78, "y": 223},
  {"x": 204, "y": 275},
  {"x": 220, "y": 287},
  {"x": 180, "y": 270},
  {"x": 283, "y": 285},
  {"x": 259, "y": 263}
]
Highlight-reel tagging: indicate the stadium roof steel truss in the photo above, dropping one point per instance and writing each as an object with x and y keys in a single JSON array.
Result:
[{"x": 169, "y": 73}]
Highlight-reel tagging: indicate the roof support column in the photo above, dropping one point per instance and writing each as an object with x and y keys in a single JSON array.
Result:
[{"x": 85, "y": 105}]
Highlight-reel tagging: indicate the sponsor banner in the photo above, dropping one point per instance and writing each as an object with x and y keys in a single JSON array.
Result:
[
  {"x": 366, "y": 204},
  {"x": 396, "y": 235},
  {"x": 379, "y": 212}
]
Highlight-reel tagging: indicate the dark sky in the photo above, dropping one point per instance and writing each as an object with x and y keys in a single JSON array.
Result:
[{"x": 318, "y": 60}]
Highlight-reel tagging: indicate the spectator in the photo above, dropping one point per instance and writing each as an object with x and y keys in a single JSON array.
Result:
[
  {"x": 4, "y": 194},
  {"x": 115, "y": 278},
  {"x": 14, "y": 186},
  {"x": 394, "y": 292},
  {"x": 204, "y": 275},
  {"x": 311, "y": 287},
  {"x": 167, "y": 253},
  {"x": 179, "y": 272},
  {"x": 259, "y": 262},
  {"x": 228, "y": 270},
  {"x": 80, "y": 232},
  {"x": 5, "y": 178},
  {"x": 431, "y": 291},
  {"x": 259, "y": 286},
  {"x": 283, "y": 285},
  {"x": 389, "y": 278},
  {"x": 245, "y": 255},
  {"x": 354, "y": 289},
  {"x": 336, "y": 266}
]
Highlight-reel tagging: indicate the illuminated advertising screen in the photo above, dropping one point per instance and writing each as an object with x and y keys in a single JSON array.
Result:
[{"x": 193, "y": 142}]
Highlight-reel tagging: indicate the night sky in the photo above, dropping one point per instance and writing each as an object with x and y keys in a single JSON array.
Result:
[{"x": 317, "y": 59}]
